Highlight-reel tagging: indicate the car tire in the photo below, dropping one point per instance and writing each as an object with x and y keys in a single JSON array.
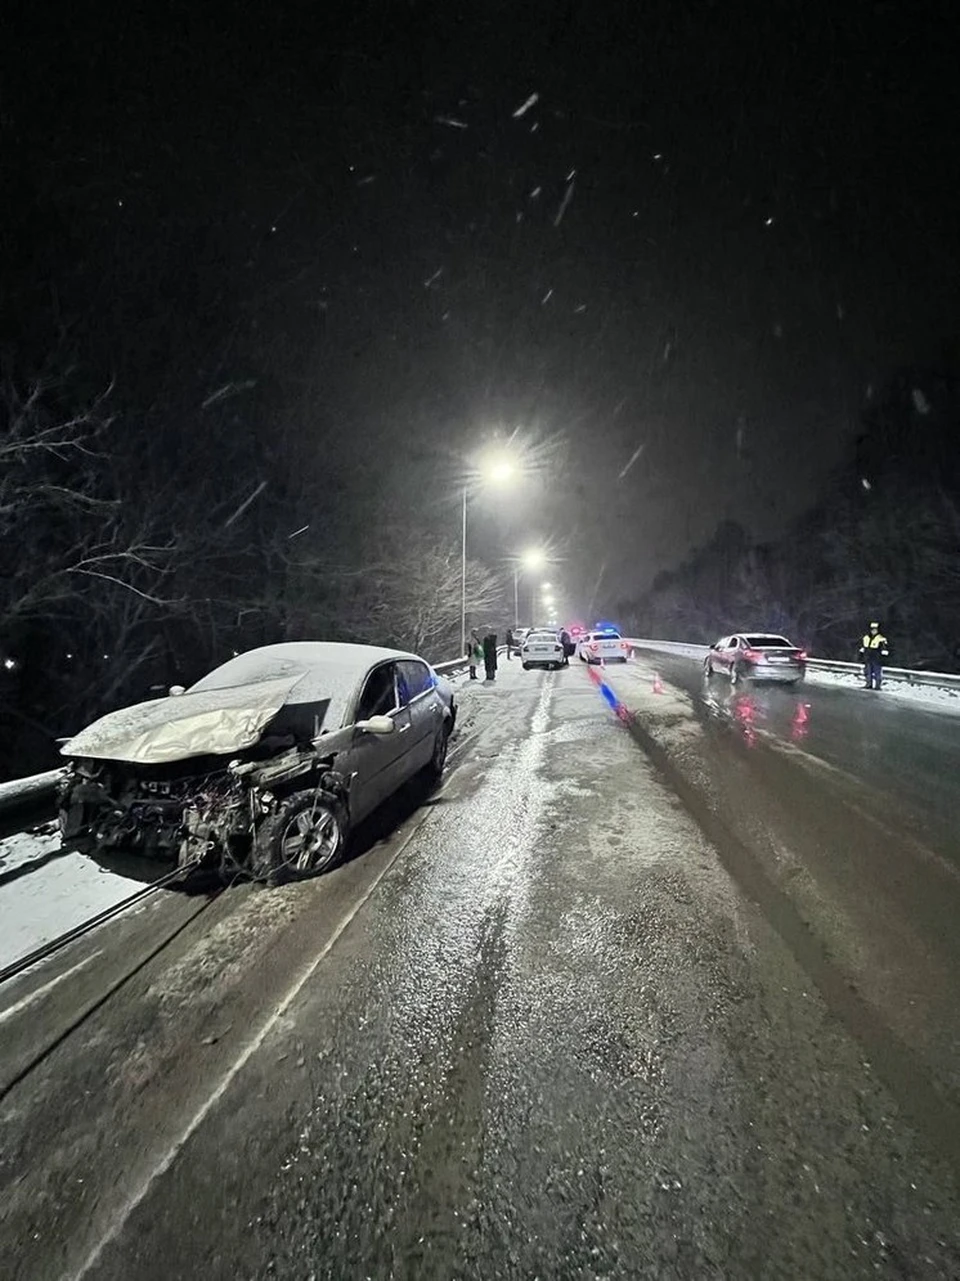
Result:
[
  {"x": 304, "y": 837},
  {"x": 525, "y": 666},
  {"x": 707, "y": 670},
  {"x": 438, "y": 759}
]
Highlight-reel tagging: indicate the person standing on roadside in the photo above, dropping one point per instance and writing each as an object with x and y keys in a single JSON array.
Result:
[
  {"x": 509, "y": 643},
  {"x": 490, "y": 655},
  {"x": 873, "y": 650},
  {"x": 474, "y": 653}
]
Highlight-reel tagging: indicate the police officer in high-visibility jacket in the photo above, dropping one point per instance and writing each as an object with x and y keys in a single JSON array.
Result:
[{"x": 874, "y": 651}]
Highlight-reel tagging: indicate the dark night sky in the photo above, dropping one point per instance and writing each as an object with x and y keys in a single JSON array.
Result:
[{"x": 762, "y": 222}]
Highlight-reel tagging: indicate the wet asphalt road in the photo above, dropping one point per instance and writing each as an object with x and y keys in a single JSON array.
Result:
[
  {"x": 649, "y": 995},
  {"x": 907, "y": 753}
]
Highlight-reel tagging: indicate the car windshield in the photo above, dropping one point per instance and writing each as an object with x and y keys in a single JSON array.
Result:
[{"x": 768, "y": 642}]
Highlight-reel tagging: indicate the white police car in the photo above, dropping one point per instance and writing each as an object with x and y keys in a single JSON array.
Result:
[{"x": 606, "y": 646}]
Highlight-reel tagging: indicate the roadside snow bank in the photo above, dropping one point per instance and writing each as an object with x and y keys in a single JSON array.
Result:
[{"x": 933, "y": 697}]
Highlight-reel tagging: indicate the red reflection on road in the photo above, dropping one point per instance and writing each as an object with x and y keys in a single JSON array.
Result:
[
  {"x": 800, "y": 725},
  {"x": 745, "y": 714}
]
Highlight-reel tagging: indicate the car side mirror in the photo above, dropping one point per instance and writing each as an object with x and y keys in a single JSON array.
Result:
[
  {"x": 176, "y": 690},
  {"x": 377, "y": 725}
]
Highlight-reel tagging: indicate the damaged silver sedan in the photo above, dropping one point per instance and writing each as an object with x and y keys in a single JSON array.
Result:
[{"x": 264, "y": 765}]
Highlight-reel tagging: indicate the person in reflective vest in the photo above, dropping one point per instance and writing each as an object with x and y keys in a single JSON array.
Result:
[{"x": 873, "y": 651}]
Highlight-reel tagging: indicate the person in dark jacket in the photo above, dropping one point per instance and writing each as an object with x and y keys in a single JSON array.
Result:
[
  {"x": 509, "y": 643},
  {"x": 490, "y": 655},
  {"x": 873, "y": 650}
]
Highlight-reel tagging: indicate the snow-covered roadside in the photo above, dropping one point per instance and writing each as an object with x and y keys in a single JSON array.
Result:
[
  {"x": 52, "y": 898},
  {"x": 933, "y": 697}
]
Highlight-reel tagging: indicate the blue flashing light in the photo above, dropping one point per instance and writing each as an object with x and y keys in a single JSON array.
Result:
[{"x": 609, "y": 695}]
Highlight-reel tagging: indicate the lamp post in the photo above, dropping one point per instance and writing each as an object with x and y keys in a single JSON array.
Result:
[{"x": 498, "y": 470}]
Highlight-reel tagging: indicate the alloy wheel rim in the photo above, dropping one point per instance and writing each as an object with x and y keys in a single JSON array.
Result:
[{"x": 310, "y": 838}]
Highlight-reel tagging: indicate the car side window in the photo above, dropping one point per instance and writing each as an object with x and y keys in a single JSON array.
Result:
[
  {"x": 413, "y": 679},
  {"x": 379, "y": 695}
]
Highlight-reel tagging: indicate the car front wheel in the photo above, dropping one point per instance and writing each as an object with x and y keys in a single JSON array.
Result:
[
  {"x": 304, "y": 837},
  {"x": 439, "y": 757}
]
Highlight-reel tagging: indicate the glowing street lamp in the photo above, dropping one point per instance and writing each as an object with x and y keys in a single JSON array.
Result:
[
  {"x": 532, "y": 559},
  {"x": 497, "y": 469}
]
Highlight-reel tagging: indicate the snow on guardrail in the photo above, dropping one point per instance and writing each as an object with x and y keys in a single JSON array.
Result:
[{"x": 19, "y": 793}]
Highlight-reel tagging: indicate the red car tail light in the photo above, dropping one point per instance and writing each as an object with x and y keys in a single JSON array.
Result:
[
  {"x": 801, "y": 655},
  {"x": 753, "y": 655},
  {"x": 594, "y": 647},
  {"x": 624, "y": 645}
]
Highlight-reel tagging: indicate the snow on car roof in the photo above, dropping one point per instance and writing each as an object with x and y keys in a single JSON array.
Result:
[{"x": 328, "y": 670}]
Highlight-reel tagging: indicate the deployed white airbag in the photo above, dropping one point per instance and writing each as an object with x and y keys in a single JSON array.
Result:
[{"x": 212, "y": 722}]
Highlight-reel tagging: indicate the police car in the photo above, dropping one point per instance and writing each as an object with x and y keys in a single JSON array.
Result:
[
  {"x": 542, "y": 649},
  {"x": 604, "y": 645}
]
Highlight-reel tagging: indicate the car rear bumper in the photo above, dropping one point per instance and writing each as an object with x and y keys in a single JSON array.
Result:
[{"x": 785, "y": 672}]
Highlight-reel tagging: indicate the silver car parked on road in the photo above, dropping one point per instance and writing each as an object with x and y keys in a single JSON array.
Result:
[
  {"x": 756, "y": 656},
  {"x": 262, "y": 766}
]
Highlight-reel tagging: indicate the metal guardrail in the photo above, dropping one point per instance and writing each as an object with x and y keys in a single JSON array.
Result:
[
  {"x": 901, "y": 675},
  {"x": 26, "y": 793}
]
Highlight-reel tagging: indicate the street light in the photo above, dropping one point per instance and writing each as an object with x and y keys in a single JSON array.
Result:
[
  {"x": 498, "y": 469},
  {"x": 532, "y": 559}
]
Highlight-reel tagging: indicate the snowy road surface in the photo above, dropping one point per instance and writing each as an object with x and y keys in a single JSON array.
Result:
[{"x": 668, "y": 993}]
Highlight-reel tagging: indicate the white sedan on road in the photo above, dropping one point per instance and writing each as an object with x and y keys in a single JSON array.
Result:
[
  {"x": 606, "y": 646},
  {"x": 542, "y": 649}
]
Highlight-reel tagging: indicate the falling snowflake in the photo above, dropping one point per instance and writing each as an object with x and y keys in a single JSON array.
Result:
[
  {"x": 865, "y": 483},
  {"x": 564, "y": 203},
  {"x": 525, "y": 107},
  {"x": 920, "y": 402},
  {"x": 546, "y": 297},
  {"x": 451, "y": 121},
  {"x": 436, "y": 276},
  {"x": 632, "y": 459}
]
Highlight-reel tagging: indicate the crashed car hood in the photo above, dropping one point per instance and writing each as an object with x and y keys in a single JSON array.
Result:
[{"x": 212, "y": 722}]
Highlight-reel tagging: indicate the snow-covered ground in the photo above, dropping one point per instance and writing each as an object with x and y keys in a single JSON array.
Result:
[
  {"x": 933, "y": 697},
  {"x": 39, "y": 903}
]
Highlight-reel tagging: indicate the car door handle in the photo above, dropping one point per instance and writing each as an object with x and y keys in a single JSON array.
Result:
[{"x": 403, "y": 728}]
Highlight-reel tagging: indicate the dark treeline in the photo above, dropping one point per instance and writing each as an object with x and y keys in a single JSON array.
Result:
[
  {"x": 141, "y": 549},
  {"x": 883, "y": 543}
]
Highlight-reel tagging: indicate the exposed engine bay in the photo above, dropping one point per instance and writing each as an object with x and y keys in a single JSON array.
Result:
[{"x": 205, "y": 810}]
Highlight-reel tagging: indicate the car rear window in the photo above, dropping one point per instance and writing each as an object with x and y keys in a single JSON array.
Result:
[
  {"x": 542, "y": 637},
  {"x": 766, "y": 642}
]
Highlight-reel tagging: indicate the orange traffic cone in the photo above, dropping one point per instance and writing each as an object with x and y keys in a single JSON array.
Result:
[{"x": 657, "y": 683}]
